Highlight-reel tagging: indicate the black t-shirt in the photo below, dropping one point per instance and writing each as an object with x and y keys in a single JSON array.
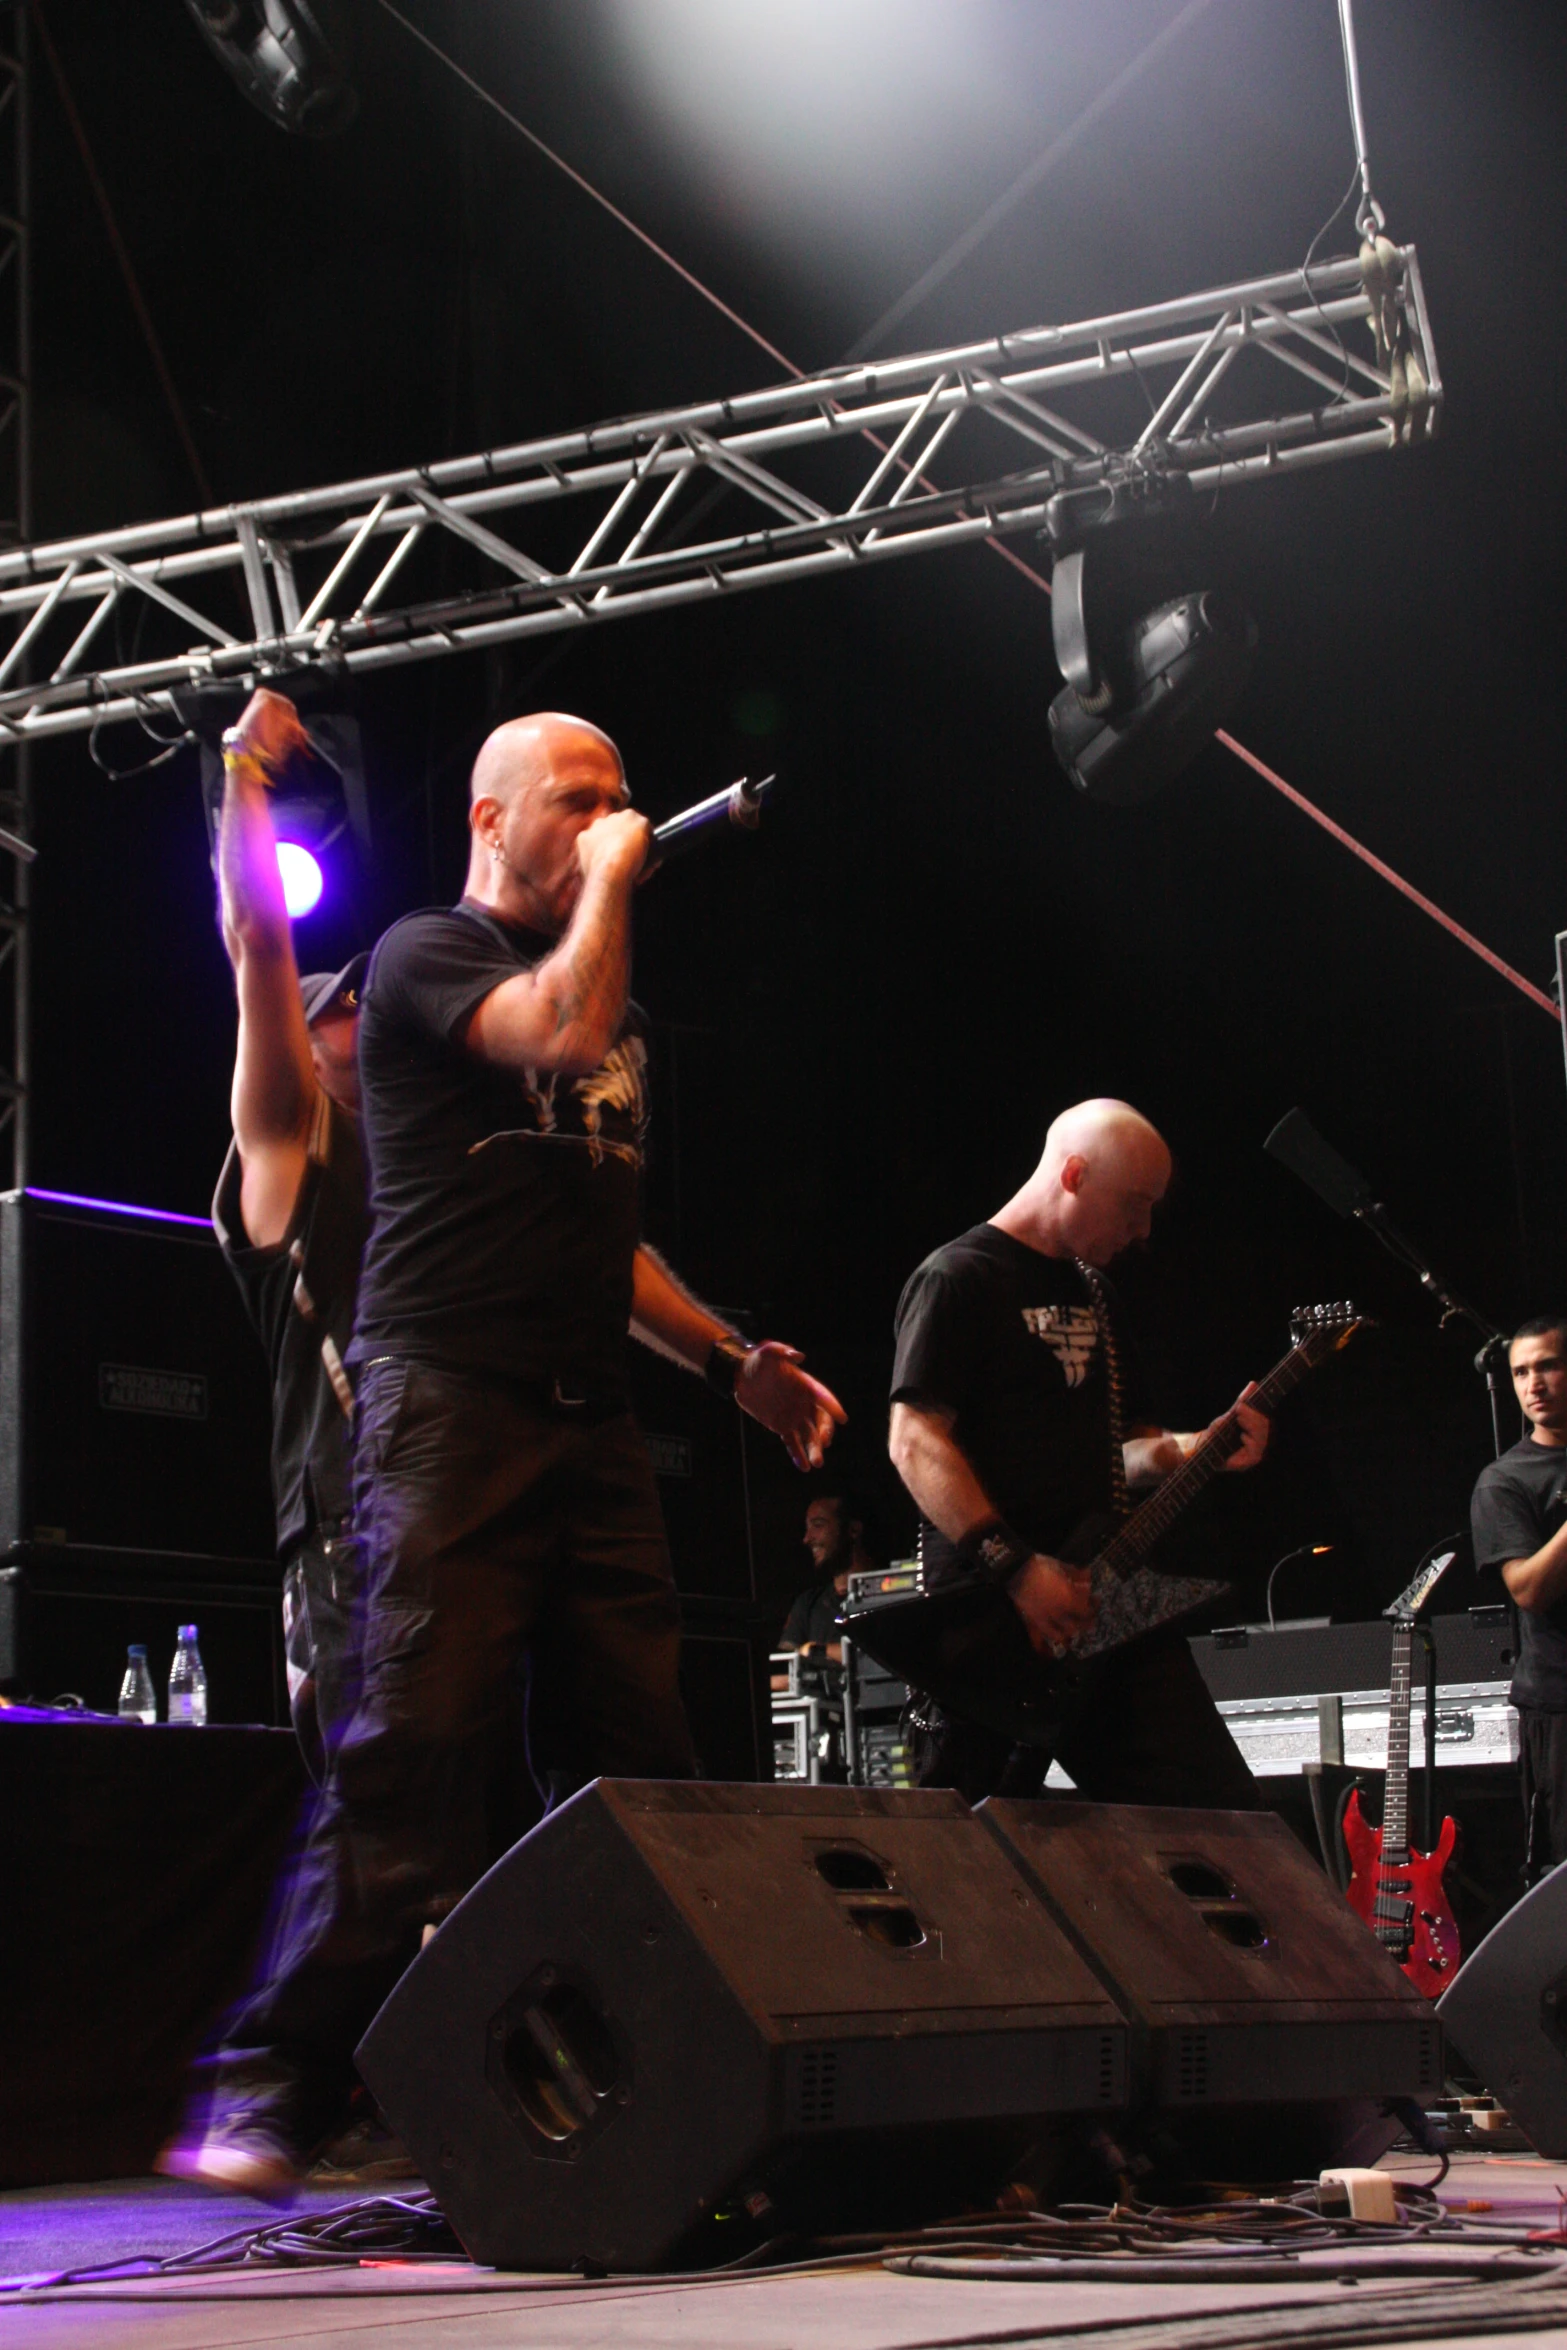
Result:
[
  {"x": 300, "y": 1296},
  {"x": 1519, "y": 1502},
  {"x": 1008, "y": 1340},
  {"x": 812, "y": 1621},
  {"x": 505, "y": 1204}
]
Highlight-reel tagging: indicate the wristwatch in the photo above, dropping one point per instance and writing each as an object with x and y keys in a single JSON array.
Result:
[
  {"x": 725, "y": 1358},
  {"x": 239, "y": 746}
]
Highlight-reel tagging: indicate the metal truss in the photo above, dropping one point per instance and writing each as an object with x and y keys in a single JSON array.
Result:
[
  {"x": 853, "y": 466},
  {"x": 15, "y": 529}
]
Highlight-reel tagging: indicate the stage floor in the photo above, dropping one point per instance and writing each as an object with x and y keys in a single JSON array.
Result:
[{"x": 458, "y": 2307}]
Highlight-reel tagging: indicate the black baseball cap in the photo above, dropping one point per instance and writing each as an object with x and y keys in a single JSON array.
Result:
[{"x": 333, "y": 991}]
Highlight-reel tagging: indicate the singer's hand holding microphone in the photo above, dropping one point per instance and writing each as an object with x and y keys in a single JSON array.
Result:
[
  {"x": 618, "y": 844},
  {"x": 627, "y": 844}
]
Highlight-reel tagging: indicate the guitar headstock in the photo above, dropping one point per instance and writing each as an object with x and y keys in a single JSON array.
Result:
[
  {"x": 1409, "y": 1602},
  {"x": 1322, "y": 1330}
]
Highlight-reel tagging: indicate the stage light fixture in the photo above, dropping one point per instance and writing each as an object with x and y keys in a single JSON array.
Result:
[
  {"x": 1172, "y": 678},
  {"x": 1147, "y": 685},
  {"x": 289, "y": 57},
  {"x": 302, "y": 879}
]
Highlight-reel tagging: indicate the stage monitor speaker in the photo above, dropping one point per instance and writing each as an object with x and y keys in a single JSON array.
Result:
[
  {"x": 134, "y": 1405},
  {"x": 1506, "y": 2013},
  {"x": 808, "y": 2007},
  {"x": 1249, "y": 1981}
]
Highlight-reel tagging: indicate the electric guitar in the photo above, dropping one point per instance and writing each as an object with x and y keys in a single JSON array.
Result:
[
  {"x": 1397, "y": 1890},
  {"x": 964, "y": 1644}
]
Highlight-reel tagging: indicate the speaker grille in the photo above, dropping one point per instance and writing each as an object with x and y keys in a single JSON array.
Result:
[
  {"x": 818, "y": 2088},
  {"x": 1191, "y": 2068},
  {"x": 1107, "y": 2082},
  {"x": 1430, "y": 2057}
]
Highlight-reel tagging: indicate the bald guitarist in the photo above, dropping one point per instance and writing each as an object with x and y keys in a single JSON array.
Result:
[{"x": 1006, "y": 1388}]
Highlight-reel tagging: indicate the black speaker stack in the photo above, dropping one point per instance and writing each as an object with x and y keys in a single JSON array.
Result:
[
  {"x": 677, "y": 2018},
  {"x": 135, "y": 1483}
]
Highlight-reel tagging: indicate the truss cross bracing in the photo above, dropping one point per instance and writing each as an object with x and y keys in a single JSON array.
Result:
[{"x": 854, "y": 466}]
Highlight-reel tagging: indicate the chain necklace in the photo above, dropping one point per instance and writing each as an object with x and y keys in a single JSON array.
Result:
[{"x": 1093, "y": 1281}]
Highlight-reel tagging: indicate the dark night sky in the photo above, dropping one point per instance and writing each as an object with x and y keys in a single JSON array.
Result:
[{"x": 867, "y": 1017}]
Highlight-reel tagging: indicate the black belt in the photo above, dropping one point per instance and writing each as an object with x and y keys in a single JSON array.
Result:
[{"x": 559, "y": 1395}]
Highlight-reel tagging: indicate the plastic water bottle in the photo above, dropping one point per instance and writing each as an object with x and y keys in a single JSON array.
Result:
[
  {"x": 137, "y": 1702},
  {"x": 188, "y": 1682}
]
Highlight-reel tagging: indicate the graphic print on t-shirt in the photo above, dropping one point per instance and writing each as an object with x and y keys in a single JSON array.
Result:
[
  {"x": 1072, "y": 1335},
  {"x": 617, "y": 1086}
]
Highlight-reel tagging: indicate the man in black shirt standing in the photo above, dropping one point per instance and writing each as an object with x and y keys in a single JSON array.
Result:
[
  {"x": 1007, "y": 1369},
  {"x": 1519, "y": 1521},
  {"x": 291, "y": 1212},
  {"x": 504, "y": 1500}
]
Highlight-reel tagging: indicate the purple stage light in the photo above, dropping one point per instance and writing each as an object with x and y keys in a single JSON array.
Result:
[
  {"x": 116, "y": 1207},
  {"x": 302, "y": 878}
]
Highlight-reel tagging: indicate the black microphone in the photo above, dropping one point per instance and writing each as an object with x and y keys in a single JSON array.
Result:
[
  {"x": 740, "y": 805},
  {"x": 1296, "y": 1143}
]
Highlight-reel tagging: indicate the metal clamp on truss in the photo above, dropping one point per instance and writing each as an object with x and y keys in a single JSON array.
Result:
[{"x": 1132, "y": 497}]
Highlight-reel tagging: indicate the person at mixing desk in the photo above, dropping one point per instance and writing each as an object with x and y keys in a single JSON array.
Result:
[
  {"x": 1519, "y": 1521},
  {"x": 835, "y": 1524}
]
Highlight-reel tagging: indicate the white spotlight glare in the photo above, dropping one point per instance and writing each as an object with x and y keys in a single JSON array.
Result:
[{"x": 301, "y": 877}]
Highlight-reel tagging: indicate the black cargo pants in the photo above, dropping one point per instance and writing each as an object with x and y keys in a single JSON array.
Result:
[{"x": 493, "y": 1528}]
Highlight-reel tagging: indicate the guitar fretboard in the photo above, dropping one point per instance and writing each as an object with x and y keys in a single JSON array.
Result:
[
  {"x": 1395, "y": 1799},
  {"x": 1131, "y": 1544}
]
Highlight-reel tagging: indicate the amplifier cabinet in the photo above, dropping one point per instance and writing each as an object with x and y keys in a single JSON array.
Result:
[
  {"x": 134, "y": 1403},
  {"x": 67, "y": 1617},
  {"x": 723, "y": 1683}
]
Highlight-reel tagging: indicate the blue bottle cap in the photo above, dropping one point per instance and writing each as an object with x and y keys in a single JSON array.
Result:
[
  {"x": 136, "y": 1649},
  {"x": 188, "y": 1632}
]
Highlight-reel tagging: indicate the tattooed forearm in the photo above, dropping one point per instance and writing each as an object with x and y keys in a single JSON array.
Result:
[{"x": 588, "y": 974}]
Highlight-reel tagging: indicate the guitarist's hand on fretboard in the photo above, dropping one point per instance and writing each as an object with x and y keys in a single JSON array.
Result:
[
  {"x": 1254, "y": 1427},
  {"x": 1055, "y": 1601}
]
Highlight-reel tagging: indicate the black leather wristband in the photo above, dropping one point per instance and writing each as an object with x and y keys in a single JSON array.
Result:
[
  {"x": 994, "y": 1551},
  {"x": 722, "y": 1368}
]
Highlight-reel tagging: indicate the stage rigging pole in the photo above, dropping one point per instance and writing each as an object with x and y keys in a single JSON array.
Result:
[{"x": 16, "y": 526}]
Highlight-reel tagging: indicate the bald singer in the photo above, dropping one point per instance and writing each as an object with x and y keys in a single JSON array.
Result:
[
  {"x": 1002, "y": 1417},
  {"x": 503, "y": 1496}
]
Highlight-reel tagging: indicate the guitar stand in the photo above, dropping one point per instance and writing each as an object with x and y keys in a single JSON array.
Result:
[{"x": 1329, "y": 1786}]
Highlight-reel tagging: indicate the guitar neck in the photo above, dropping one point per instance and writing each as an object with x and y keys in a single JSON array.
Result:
[
  {"x": 1131, "y": 1543},
  {"x": 1395, "y": 1797}
]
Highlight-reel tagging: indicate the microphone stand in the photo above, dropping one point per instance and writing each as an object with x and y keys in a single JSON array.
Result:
[
  {"x": 1296, "y": 1144},
  {"x": 1491, "y": 1359}
]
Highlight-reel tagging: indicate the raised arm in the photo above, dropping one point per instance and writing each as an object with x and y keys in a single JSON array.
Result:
[
  {"x": 561, "y": 1017},
  {"x": 1052, "y": 1598},
  {"x": 274, "y": 1089},
  {"x": 769, "y": 1382}
]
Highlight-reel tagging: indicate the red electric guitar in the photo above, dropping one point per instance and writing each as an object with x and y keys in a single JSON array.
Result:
[{"x": 1397, "y": 1890}]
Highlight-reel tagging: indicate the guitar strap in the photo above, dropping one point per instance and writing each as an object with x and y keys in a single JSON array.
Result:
[
  {"x": 1147, "y": 1598},
  {"x": 1094, "y": 1283}
]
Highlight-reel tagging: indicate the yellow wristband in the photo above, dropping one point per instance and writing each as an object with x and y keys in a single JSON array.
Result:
[{"x": 237, "y": 752}]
